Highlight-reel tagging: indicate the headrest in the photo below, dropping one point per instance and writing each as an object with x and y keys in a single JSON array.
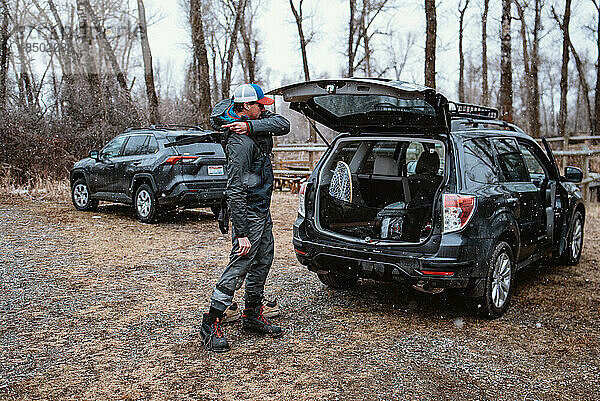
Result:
[
  {"x": 428, "y": 163},
  {"x": 385, "y": 165}
]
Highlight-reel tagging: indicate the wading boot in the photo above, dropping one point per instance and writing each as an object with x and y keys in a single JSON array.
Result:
[
  {"x": 212, "y": 335},
  {"x": 254, "y": 320}
]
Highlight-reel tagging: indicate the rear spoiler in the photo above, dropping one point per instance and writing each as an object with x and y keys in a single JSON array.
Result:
[{"x": 190, "y": 138}]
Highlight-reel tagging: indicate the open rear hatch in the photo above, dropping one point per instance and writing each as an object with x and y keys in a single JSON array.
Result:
[
  {"x": 381, "y": 183},
  {"x": 369, "y": 105}
]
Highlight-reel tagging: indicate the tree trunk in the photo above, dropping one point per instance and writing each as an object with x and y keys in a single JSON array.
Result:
[
  {"x": 485, "y": 95},
  {"x": 249, "y": 57},
  {"x": 564, "y": 71},
  {"x": 201, "y": 75},
  {"x": 597, "y": 93},
  {"x": 534, "y": 70},
  {"x": 148, "y": 69},
  {"x": 351, "y": 32},
  {"x": 528, "y": 82},
  {"x": 298, "y": 17},
  {"x": 461, "y": 55},
  {"x": 239, "y": 13},
  {"x": 430, "y": 43},
  {"x": 506, "y": 94},
  {"x": 4, "y": 49}
]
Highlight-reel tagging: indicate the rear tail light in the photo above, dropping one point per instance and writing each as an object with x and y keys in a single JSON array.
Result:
[
  {"x": 302, "y": 199},
  {"x": 458, "y": 210},
  {"x": 181, "y": 160}
]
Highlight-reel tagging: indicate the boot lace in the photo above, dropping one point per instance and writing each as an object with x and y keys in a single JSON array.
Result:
[
  {"x": 260, "y": 315},
  {"x": 217, "y": 330}
]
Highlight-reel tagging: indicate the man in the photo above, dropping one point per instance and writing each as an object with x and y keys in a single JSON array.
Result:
[{"x": 248, "y": 143}]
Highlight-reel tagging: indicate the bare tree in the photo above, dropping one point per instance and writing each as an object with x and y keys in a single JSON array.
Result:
[
  {"x": 564, "y": 71},
  {"x": 506, "y": 93},
  {"x": 360, "y": 34},
  {"x": 110, "y": 55},
  {"x": 462, "y": 9},
  {"x": 581, "y": 69},
  {"x": 484, "y": 62},
  {"x": 250, "y": 43},
  {"x": 240, "y": 7},
  {"x": 200, "y": 70},
  {"x": 597, "y": 90},
  {"x": 4, "y": 51},
  {"x": 148, "y": 69},
  {"x": 430, "y": 42},
  {"x": 299, "y": 17}
]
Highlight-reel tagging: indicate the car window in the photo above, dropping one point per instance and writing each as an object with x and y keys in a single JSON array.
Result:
[
  {"x": 136, "y": 145},
  {"x": 534, "y": 165},
  {"x": 479, "y": 164},
  {"x": 415, "y": 151},
  {"x": 510, "y": 160},
  {"x": 151, "y": 145},
  {"x": 113, "y": 148}
]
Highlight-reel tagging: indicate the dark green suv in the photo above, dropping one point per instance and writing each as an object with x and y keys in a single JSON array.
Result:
[{"x": 160, "y": 167}]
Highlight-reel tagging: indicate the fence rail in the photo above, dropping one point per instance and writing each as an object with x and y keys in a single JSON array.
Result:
[{"x": 291, "y": 172}]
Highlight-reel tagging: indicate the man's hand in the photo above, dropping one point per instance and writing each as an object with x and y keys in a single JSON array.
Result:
[
  {"x": 238, "y": 127},
  {"x": 245, "y": 246}
]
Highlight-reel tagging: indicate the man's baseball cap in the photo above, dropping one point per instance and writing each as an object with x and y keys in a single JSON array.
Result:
[{"x": 251, "y": 93}]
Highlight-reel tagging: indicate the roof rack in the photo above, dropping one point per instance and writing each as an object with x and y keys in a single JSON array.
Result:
[{"x": 473, "y": 111}]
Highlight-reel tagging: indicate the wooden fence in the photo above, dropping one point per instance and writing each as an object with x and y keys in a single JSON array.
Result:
[{"x": 293, "y": 163}]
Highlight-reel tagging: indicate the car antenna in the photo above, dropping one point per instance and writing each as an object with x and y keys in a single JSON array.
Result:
[{"x": 312, "y": 123}]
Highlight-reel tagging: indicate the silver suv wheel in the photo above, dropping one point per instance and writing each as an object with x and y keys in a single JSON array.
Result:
[
  {"x": 501, "y": 280},
  {"x": 144, "y": 203},
  {"x": 81, "y": 195}
]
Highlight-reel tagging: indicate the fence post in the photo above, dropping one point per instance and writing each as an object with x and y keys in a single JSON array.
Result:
[{"x": 586, "y": 176}]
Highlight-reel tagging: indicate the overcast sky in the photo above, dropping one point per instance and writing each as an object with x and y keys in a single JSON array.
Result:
[{"x": 169, "y": 37}]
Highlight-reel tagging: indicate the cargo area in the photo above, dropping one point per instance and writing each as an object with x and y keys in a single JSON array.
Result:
[{"x": 381, "y": 189}]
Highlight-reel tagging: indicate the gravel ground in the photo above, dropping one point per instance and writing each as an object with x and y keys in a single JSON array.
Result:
[{"x": 100, "y": 306}]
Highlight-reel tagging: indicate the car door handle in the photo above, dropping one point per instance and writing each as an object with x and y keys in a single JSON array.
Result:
[
  {"x": 512, "y": 201},
  {"x": 136, "y": 163}
]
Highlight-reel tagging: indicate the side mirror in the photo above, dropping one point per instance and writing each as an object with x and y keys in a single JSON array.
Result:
[
  {"x": 94, "y": 154},
  {"x": 573, "y": 174}
]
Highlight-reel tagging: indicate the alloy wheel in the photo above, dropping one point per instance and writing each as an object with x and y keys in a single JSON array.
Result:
[
  {"x": 501, "y": 280},
  {"x": 144, "y": 203},
  {"x": 577, "y": 238},
  {"x": 81, "y": 195}
]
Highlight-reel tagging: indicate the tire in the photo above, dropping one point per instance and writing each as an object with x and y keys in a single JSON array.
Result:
[
  {"x": 215, "y": 210},
  {"x": 145, "y": 204},
  {"x": 335, "y": 280},
  {"x": 80, "y": 196},
  {"x": 572, "y": 252},
  {"x": 498, "y": 284}
]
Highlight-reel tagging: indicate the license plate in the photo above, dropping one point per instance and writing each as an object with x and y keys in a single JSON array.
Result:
[{"x": 216, "y": 170}]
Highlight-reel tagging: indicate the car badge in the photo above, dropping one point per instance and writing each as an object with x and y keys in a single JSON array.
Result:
[{"x": 331, "y": 88}]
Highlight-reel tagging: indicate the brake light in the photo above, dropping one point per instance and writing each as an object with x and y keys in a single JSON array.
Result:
[
  {"x": 180, "y": 160},
  {"x": 301, "y": 200},
  {"x": 458, "y": 210}
]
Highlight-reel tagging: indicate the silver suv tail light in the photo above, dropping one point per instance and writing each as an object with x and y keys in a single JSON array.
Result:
[
  {"x": 458, "y": 210},
  {"x": 301, "y": 200}
]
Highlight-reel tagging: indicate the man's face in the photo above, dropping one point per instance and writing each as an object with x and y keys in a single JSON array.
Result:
[{"x": 254, "y": 110}]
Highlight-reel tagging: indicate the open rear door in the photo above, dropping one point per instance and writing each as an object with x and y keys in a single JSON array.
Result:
[{"x": 369, "y": 105}]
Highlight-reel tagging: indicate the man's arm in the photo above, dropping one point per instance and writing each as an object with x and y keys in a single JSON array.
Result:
[
  {"x": 239, "y": 160},
  {"x": 269, "y": 123}
]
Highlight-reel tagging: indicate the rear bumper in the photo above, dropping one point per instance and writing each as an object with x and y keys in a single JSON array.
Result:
[
  {"x": 191, "y": 194},
  {"x": 453, "y": 265}
]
